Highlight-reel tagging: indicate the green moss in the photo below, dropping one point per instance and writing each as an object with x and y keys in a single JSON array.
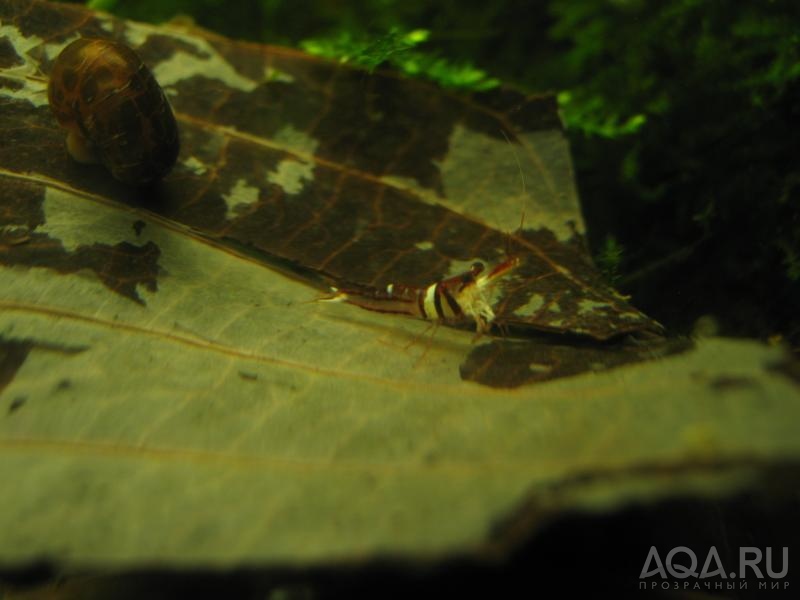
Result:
[
  {"x": 609, "y": 259},
  {"x": 445, "y": 72},
  {"x": 681, "y": 117},
  {"x": 106, "y": 5},
  {"x": 396, "y": 49},
  {"x": 791, "y": 259},
  {"x": 362, "y": 50}
]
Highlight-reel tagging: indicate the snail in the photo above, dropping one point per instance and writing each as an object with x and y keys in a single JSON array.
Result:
[{"x": 114, "y": 111}]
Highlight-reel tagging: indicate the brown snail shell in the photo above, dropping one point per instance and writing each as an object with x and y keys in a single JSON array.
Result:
[{"x": 115, "y": 112}]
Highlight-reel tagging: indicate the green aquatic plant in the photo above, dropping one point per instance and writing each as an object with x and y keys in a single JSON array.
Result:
[
  {"x": 590, "y": 115},
  {"x": 609, "y": 259},
  {"x": 396, "y": 48},
  {"x": 791, "y": 261},
  {"x": 106, "y": 5},
  {"x": 445, "y": 72},
  {"x": 681, "y": 118},
  {"x": 362, "y": 50}
]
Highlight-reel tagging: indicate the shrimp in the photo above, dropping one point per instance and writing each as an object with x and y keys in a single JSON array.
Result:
[
  {"x": 458, "y": 299},
  {"x": 461, "y": 298}
]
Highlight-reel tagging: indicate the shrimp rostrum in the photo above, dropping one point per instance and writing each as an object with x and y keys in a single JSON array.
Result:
[{"x": 462, "y": 298}]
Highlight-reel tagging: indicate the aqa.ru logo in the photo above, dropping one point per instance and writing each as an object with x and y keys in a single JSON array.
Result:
[{"x": 749, "y": 556}]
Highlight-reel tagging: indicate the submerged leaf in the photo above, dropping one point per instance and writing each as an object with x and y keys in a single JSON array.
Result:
[{"x": 165, "y": 369}]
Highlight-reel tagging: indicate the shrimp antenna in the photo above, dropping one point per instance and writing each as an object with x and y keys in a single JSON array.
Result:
[{"x": 521, "y": 176}]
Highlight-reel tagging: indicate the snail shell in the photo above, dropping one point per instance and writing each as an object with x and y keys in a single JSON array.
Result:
[{"x": 114, "y": 111}]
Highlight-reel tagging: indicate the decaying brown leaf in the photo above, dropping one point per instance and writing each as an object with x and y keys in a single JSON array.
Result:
[{"x": 341, "y": 177}]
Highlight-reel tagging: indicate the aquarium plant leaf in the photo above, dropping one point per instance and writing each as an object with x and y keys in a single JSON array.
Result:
[{"x": 172, "y": 392}]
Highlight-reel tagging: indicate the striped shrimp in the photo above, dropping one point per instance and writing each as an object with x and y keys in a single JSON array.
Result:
[{"x": 458, "y": 299}]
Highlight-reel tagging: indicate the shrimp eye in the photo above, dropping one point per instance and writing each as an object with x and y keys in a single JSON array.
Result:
[{"x": 476, "y": 269}]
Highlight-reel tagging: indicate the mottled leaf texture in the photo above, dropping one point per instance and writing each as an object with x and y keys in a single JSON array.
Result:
[{"x": 171, "y": 390}]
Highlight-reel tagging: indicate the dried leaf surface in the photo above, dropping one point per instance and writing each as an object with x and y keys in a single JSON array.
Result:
[{"x": 168, "y": 382}]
